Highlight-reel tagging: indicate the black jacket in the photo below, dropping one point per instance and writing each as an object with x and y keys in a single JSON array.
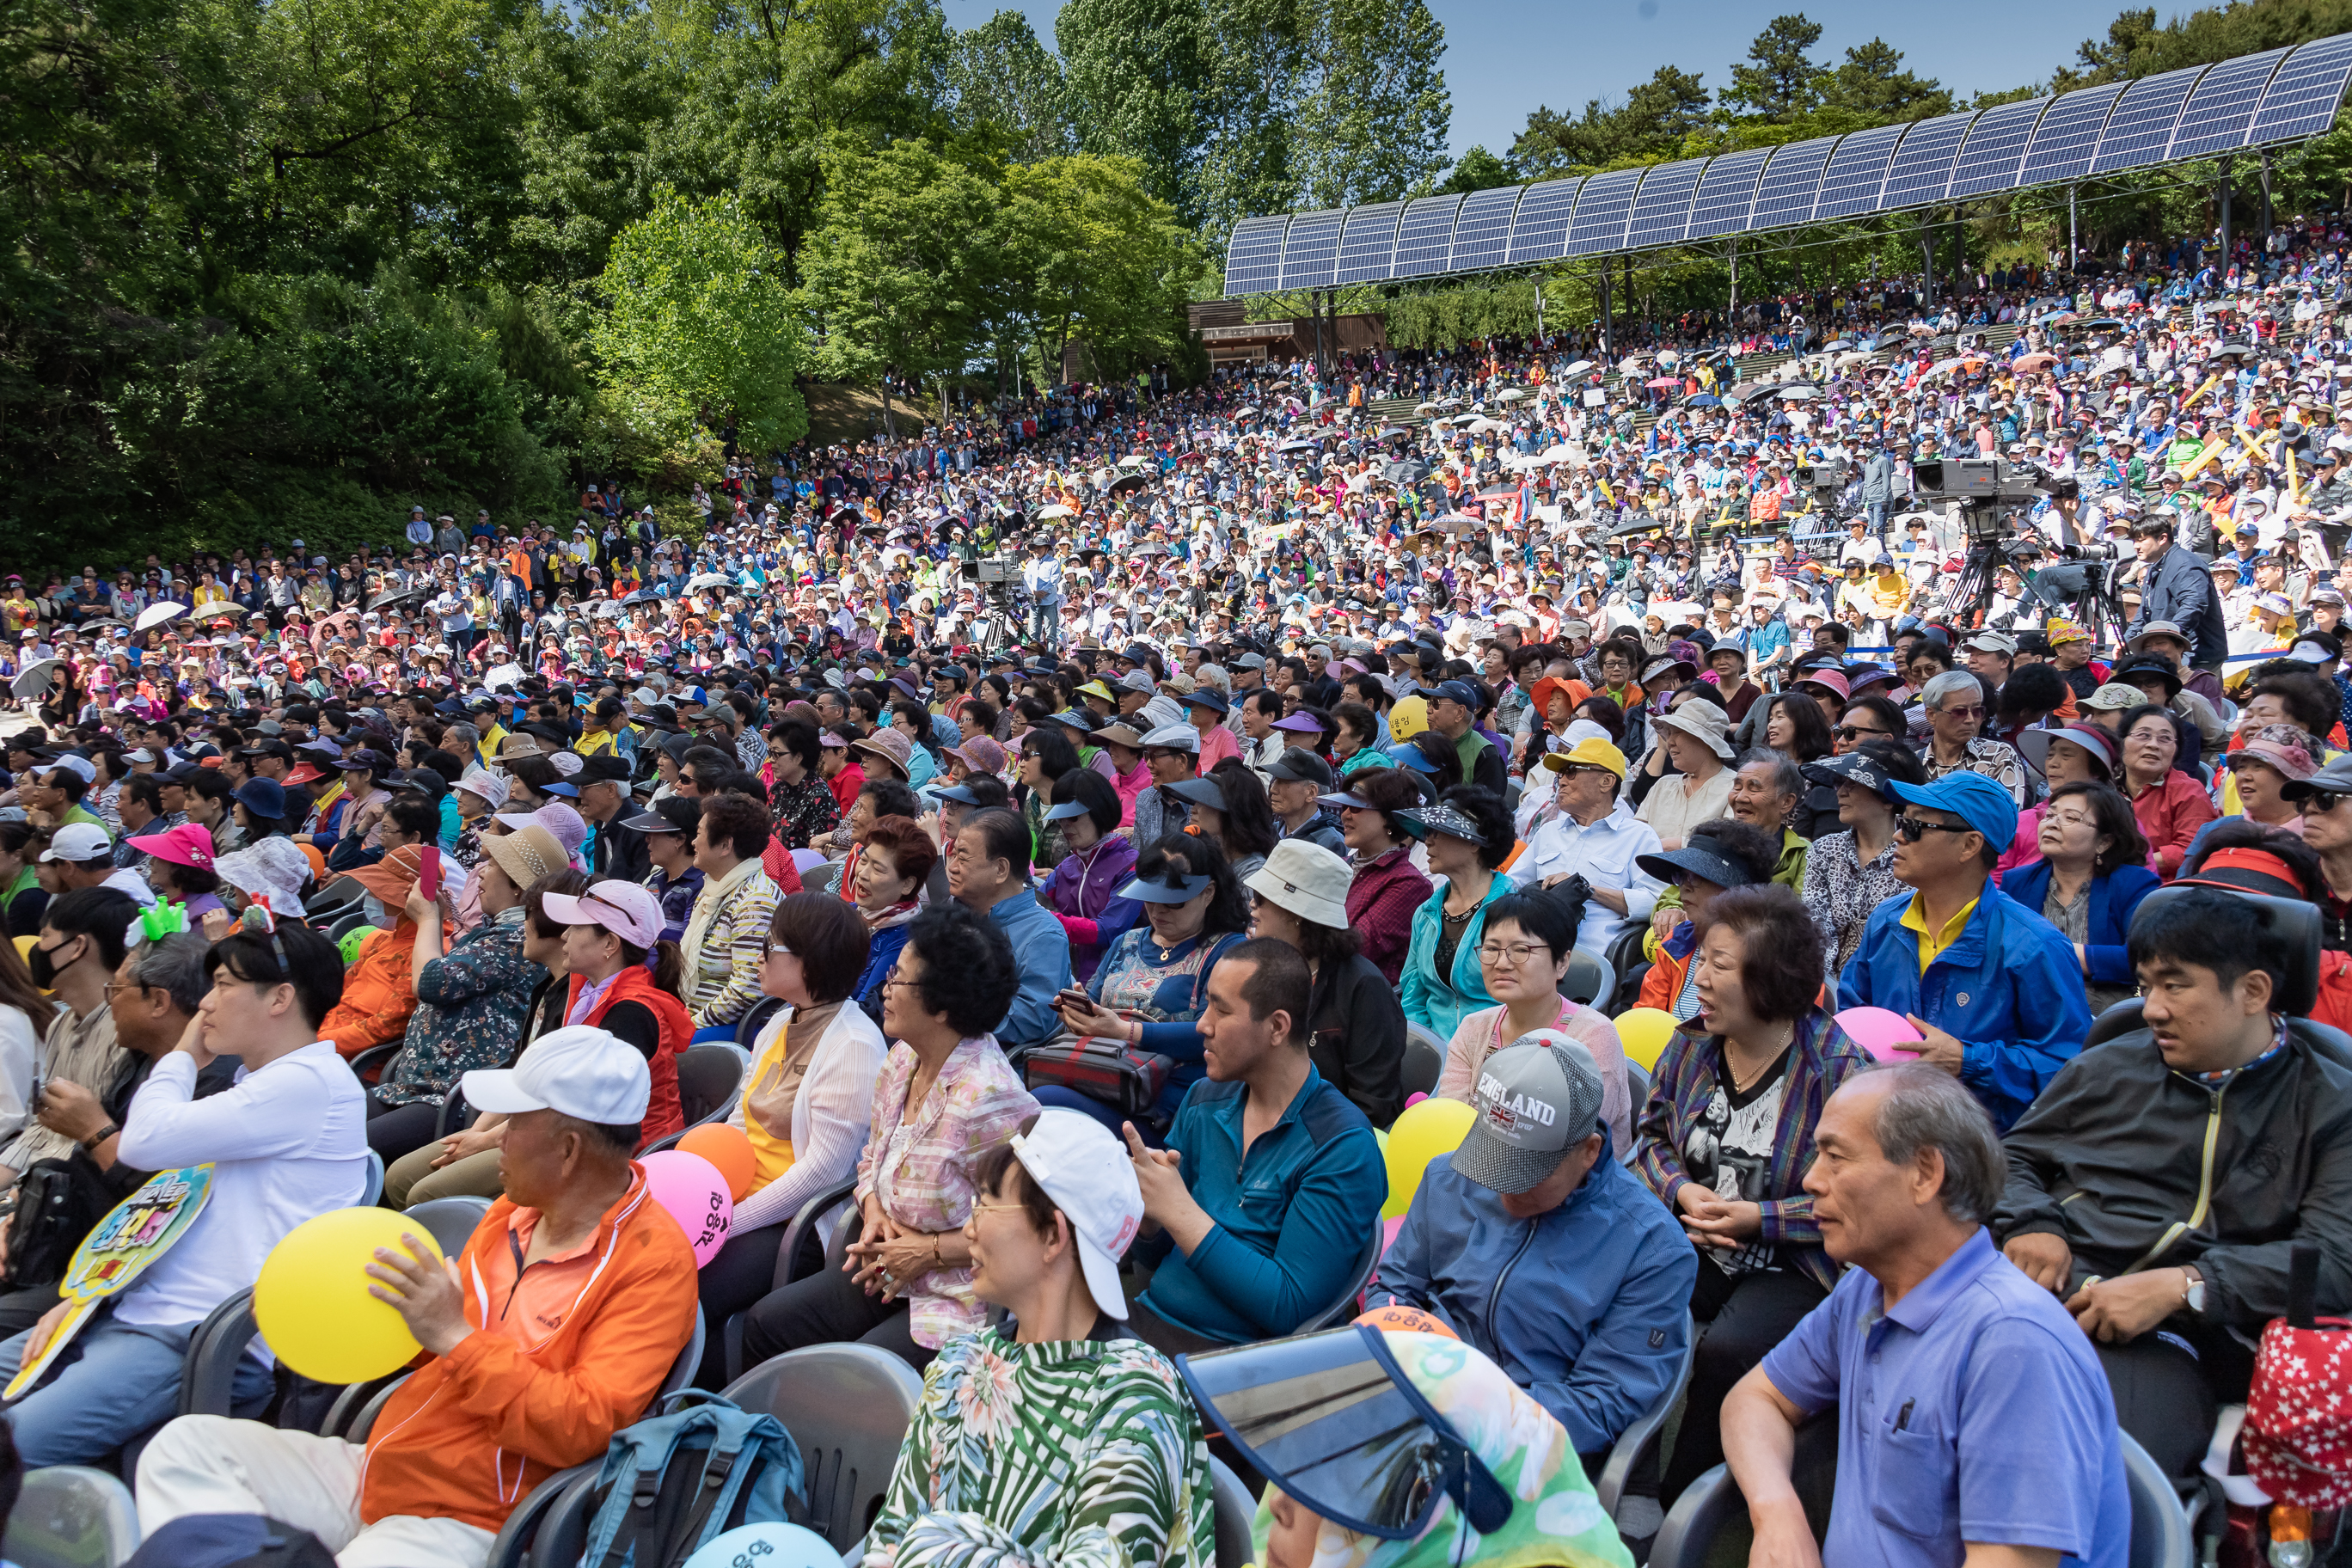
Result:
[
  {"x": 2113, "y": 1156},
  {"x": 620, "y": 854},
  {"x": 2179, "y": 589},
  {"x": 1355, "y": 1033}
]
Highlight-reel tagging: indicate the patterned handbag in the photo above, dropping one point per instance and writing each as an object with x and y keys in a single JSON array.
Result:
[{"x": 2298, "y": 1431}]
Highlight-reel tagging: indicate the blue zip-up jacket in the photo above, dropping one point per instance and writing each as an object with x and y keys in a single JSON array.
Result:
[
  {"x": 1586, "y": 1307},
  {"x": 1293, "y": 1216},
  {"x": 2008, "y": 988},
  {"x": 1041, "y": 949},
  {"x": 1440, "y": 1002},
  {"x": 2115, "y": 899}
]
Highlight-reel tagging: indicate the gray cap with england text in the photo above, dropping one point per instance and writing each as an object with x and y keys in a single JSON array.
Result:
[{"x": 1536, "y": 1099}]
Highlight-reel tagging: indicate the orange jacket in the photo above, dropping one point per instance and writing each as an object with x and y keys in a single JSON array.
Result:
[
  {"x": 378, "y": 996},
  {"x": 471, "y": 1432}
]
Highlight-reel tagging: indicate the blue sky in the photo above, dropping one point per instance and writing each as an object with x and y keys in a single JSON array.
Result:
[{"x": 1503, "y": 58}]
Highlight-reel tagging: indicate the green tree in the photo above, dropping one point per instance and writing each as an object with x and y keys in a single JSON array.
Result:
[
  {"x": 1781, "y": 80},
  {"x": 1085, "y": 251},
  {"x": 1000, "y": 76},
  {"x": 893, "y": 276},
  {"x": 1872, "y": 83},
  {"x": 1478, "y": 170},
  {"x": 1649, "y": 124},
  {"x": 1372, "y": 114},
  {"x": 1249, "y": 152},
  {"x": 1138, "y": 76},
  {"x": 697, "y": 313}
]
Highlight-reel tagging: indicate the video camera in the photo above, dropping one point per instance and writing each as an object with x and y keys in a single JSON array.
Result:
[{"x": 994, "y": 572}]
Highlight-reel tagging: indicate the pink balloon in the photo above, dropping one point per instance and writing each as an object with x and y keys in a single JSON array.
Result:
[
  {"x": 694, "y": 1192},
  {"x": 1887, "y": 1036}
]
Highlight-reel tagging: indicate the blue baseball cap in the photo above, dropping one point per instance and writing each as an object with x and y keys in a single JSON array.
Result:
[{"x": 1975, "y": 799}]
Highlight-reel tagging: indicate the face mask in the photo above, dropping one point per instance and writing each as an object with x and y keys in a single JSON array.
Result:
[{"x": 44, "y": 965}]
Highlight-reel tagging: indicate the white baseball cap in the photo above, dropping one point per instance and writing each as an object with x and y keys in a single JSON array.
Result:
[
  {"x": 629, "y": 911},
  {"x": 1082, "y": 1168},
  {"x": 580, "y": 1070},
  {"x": 79, "y": 841}
]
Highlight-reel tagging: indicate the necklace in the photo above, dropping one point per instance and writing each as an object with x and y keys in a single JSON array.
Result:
[{"x": 1738, "y": 1086}]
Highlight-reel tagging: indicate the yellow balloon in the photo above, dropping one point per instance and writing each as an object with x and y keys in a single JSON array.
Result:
[
  {"x": 1425, "y": 1131},
  {"x": 312, "y": 1300},
  {"x": 1644, "y": 1032}
]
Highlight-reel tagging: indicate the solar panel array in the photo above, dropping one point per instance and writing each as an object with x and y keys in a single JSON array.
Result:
[{"x": 2255, "y": 100}]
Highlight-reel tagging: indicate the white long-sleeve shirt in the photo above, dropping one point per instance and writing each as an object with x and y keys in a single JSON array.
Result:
[
  {"x": 830, "y": 1112},
  {"x": 1606, "y": 853},
  {"x": 287, "y": 1144}
]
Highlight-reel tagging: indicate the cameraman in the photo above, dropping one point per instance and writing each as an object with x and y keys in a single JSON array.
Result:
[{"x": 2175, "y": 586}]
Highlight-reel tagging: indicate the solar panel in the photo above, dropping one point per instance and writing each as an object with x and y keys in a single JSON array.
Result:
[
  {"x": 1312, "y": 248},
  {"x": 1922, "y": 165},
  {"x": 2069, "y": 135},
  {"x": 1851, "y": 183},
  {"x": 1425, "y": 237},
  {"x": 1601, "y": 212},
  {"x": 2141, "y": 127},
  {"x": 1792, "y": 181},
  {"x": 1663, "y": 207},
  {"x": 1995, "y": 148},
  {"x": 1727, "y": 192},
  {"x": 2304, "y": 94},
  {"x": 2218, "y": 112},
  {"x": 1253, "y": 255},
  {"x": 1368, "y": 246},
  {"x": 1539, "y": 229},
  {"x": 1481, "y": 235}
]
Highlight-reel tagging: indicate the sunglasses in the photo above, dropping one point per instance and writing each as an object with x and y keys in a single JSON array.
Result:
[
  {"x": 1912, "y": 829},
  {"x": 2323, "y": 801},
  {"x": 1963, "y": 711},
  {"x": 1856, "y": 733}
]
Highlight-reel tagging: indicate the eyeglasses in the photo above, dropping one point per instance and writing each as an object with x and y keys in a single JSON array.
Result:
[
  {"x": 769, "y": 950},
  {"x": 1961, "y": 711},
  {"x": 980, "y": 1208},
  {"x": 111, "y": 986},
  {"x": 1510, "y": 955},
  {"x": 2324, "y": 801},
  {"x": 1912, "y": 829},
  {"x": 1856, "y": 733}
]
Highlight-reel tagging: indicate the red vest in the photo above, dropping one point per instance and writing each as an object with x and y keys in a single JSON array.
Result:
[{"x": 664, "y": 1115}]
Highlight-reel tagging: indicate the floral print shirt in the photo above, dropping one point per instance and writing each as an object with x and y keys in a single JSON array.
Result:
[
  {"x": 918, "y": 1160},
  {"x": 470, "y": 1004},
  {"x": 803, "y": 810},
  {"x": 1079, "y": 1453}
]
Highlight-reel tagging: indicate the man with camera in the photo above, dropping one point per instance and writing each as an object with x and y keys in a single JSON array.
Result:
[{"x": 2175, "y": 586}]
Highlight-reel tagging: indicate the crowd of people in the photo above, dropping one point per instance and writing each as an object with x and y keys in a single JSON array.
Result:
[{"x": 1115, "y": 813}]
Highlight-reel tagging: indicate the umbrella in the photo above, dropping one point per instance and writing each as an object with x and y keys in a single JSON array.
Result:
[
  {"x": 1405, "y": 471},
  {"x": 396, "y": 596},
  {"x": 504, "y": 674},
  {"x": 1454, "y": 522},
  {"x": 1745, "y": 390},
  {"x": 156, "y": 613},
  {"x": 1424, "y": 408},
  {"x": 1243, "y": 412},
  {"x": 1133, "y": 461},
  {"x": 1579, "y": 368},
  {"x": 36, "y": 679},
  {"x": 1056, "y": 509},
  {"x": 1127, "y": 484},
  {"x": 1482, "y": 425},
  {"x": 1296, "y": 444},
  {"x": 643, "y": 596},
  {"x": 1799, "y": 394},
  {"x": 707, "y": 580},
  {"x": 1855, "y": 357},
  {"x": 1703, "y": 400},
  {"x": 1509, "y": 394}
]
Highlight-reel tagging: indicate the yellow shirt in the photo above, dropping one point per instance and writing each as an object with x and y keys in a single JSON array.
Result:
[
  {"x": 595, "y": 744},
  {"x": 1933, "y": 944}
]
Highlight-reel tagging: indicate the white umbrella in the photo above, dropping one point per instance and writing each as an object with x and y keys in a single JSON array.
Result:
[
  {"x": 1243, "y": 412},
  {"x": 1481, "y": 424},
  {"x": 156, "y": 613},
  {"x": 504, "y": 674},
  {"x": 1424, "y": 408},
  {"x": 1799, "y": 394},
  {"x": 1579, "y": 368},
  {"x": 35, "y": 678},
  {"x": 1509, "y": 394},
  {"x": 1056, "y": 510},
  {"x": 1133, "y": 461}
]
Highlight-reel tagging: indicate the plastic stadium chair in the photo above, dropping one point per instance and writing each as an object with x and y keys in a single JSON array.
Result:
[
  {"x": 363, "y": 1422},
  {"x": 1236, "y": 1514},
  {"x": 1638, "y": 1441},
  {"x": 2161, "y": 1537},
  {"x": 1637, "y": 1092},
  {"x": 801, "y": 1242},
  {"x": 518, "y": 1535},
  {"x": 1424, "y": 1060},
  {"x": 451, "y": 1221},
  {"x": 807, "y": 860},
  {"x": 1344, "y": 1308},
  {"x": 208, "y": 1374},
  {"x": 748, "y": 1027},
  {"x": 848, "y": 1407},
  {"x": 708, "y": 1077},
  {"x": 1590, "y": 981},
  {"x": 374, "y": 1189},
  {"x": 70, "y": 1516}
]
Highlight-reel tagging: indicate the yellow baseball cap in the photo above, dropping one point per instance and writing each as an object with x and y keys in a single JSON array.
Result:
[{"x": 1591, "y": 752}]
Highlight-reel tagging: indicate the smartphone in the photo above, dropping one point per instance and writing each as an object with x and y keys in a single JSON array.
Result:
[
  {"x": 428, "y": 872},
  {"x": 1073, "y": 998}
]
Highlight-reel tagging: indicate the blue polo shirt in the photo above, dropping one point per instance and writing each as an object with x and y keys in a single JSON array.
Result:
[
  {"x": 1292, "y": 1217},
  {"x": 1974, "y": 1410}
]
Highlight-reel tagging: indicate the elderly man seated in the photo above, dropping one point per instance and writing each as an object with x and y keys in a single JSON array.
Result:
[
  {"x": 1597, "y": 839},
  {"x": 287, "y": 1144},
  {"x": 554, "y": 1331},
  {"x": 1596, "y": 1318},
  {"x": 2221, "y": 1109}
]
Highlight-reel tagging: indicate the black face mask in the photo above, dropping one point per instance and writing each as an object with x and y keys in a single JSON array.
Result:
[{"x": 44, "y": 966}]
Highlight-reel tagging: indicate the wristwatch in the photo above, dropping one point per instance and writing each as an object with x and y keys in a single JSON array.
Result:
[
  {"x": 2192, "y": 1289},
  {"x": 100, "y": 1136}
]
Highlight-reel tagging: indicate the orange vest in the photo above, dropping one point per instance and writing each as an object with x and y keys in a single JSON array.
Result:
[{"x": 664, "y": 1115}]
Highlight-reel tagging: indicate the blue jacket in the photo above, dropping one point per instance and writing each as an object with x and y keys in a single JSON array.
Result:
[
  {"x": 1587, "y": 1307},
  {"x": 2008, "y": 988},
  {"x": 2114, "y": 899},
  {"x": 1439, "y": 1003},
  {"x": 1041, "y": 949},
  {"x": 881, "y": 957},
  {"x": 1293, "y": 1216}
]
